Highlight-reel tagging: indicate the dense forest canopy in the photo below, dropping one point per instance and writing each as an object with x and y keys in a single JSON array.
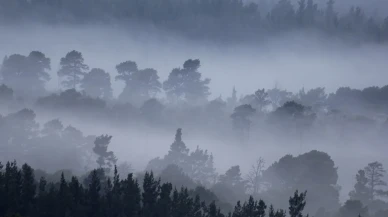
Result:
[{"x": 215, "y": 19}]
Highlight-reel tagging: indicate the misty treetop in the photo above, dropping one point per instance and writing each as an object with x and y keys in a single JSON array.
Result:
[
  {"x": 72, "y": 69},
  {"x": 345, "y": 118},
  {"x": 214, "y": 19},
  {"x": 30, "y": 72},
  {"x": 187, "y": 83}
]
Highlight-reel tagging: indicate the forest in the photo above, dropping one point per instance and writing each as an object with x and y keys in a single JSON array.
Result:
[
  {"x": 222, "y": 20},
  {"x": 78, "y": 174},
  {"x": 166, "y": 108}
]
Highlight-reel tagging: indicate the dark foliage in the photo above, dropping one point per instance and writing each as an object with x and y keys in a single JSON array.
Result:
[
  {"x": 103, "y": 197},
  {"x": 208, "y": 19}
]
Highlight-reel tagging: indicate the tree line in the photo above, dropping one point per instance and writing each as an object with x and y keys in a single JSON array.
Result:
[
  {"x": 98, "y": 195},
  {"x": 29, "y": 74},
  {"x": 207, "y": 18},
  {"x": 185, "y": 90},
  {"x": 313, "y": 171}
]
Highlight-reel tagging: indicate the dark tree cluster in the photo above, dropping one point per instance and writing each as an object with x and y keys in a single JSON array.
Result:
[
  {"x": 227, "y": 19},
  {"x": 198, "y": 165},
  {"x": 24, "y": 139},
  {"x": 313, "y": 171},
  {"x": 22, "y": 195}
]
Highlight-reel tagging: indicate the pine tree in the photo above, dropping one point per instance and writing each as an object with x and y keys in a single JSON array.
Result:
[
  {"x": 175, "y": 204},
  {"x": 106, "y": 159},
  {"x": 94, "y": 195},
  {"x": 41, "y": 196},
  {"x": 131, "y": 194},
  {"x": 72, "y": 69},
  {"x": 178, "y": 153},
  {"x": 297, "y": 204},
  {"x": 51, "y": 201},
  {"x": 150, "y": 194},
  {"x": 249, "y": 207},
  {"x": 2, "y": 191},
  {"x": 375, "y": 172},
  {"x": 197, "y": 207},
  {"x": 213, "y": 211},
  {"x": 63, "y": 197},
  {"x": 260, "y": 209},
  {"x": 238, "y": 212},
  {"x": 109, "y": 209},
  {"x": 116, "y": 195},
  {"x": 13, "y": 187},
  {"x": 28, "y": 190},
  {"x": 164, "y": 201},
  {"x": 77, "y": 198},
  {"x": 271, "y": 212}
]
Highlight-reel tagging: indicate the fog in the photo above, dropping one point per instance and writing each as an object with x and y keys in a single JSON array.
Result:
[{"x": 290, "y": 61}]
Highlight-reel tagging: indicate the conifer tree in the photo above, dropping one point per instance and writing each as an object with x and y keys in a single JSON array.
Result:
[
  {"x": 13, "y": 187},
  {"x": 375, "y": 173},
  {"x": 63, "y": 197},
  {"x": 72, "y": 69},
  {"x": 297, "y": 204},
  {"x": 28, "y": 190},
  {"x": 131, "y": 194},
  {"x": 150, "y": 194},
  {"x": 77, "y": 198},
  {"x": 164, "y": 201},
  {"x": 94, "y": 195}
]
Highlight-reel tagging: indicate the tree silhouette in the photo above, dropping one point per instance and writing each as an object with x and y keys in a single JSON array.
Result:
[
  {"x": 375, "y": 172},
  {"x": 186, "y": 83},
  {"x": 126, "y": 70},
  {"x": 105, "y": 157},
  {"x": 72, "y": 69},
  {"x": 145, "y": 84},
  {"x": 97, "y": 83},
  {"x": 361, "y": 190},
  {"x": 28, "y": 72},
  {"x": 150, "y": 195},
  {"x": 178, "y": 151},
  {"x": 99, "y": 196},
  {"x": 258, "y": 100},
  {"x": 297, "y": 204},
  {"x": 241, "y": 117},
  {"x": 254, "y": 177}
]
